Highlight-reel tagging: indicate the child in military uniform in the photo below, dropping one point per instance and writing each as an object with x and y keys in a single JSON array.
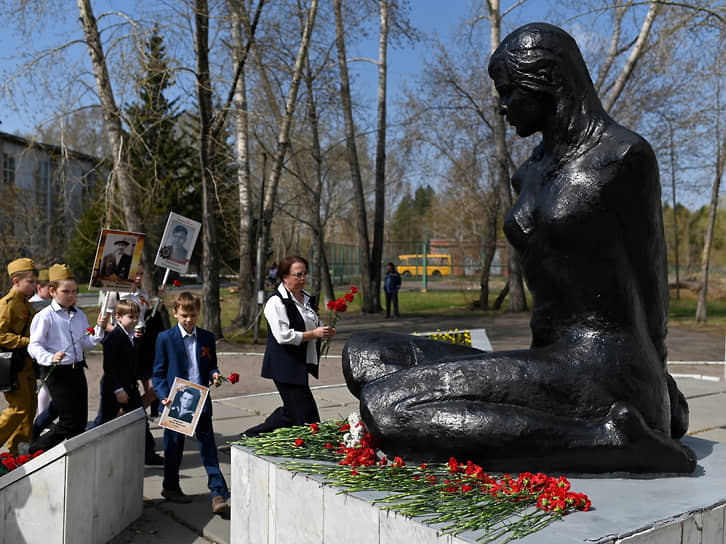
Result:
[{"x": 16, "y": 421}]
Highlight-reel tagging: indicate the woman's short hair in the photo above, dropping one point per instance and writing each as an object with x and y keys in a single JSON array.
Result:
[{"x": 286, "y": 264}]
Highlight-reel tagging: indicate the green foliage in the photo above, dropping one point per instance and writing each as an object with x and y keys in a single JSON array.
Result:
[
  {"x": 691, "y": 233},
  {"x": 412, "y": 215},
  {"x": 82, "y": 247},
  {"x": 162, "y": 158}
]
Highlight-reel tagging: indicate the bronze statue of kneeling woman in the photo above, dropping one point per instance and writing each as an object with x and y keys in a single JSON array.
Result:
[{"x": 592, "y": 394}]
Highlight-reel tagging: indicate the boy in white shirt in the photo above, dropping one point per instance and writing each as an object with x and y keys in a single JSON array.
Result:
[{"x": 59, "y": 334}]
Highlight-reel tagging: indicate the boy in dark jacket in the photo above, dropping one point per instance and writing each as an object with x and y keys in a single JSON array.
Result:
[{"x": 119, "y": 392}]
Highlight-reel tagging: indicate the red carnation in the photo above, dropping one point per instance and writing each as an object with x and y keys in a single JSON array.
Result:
[
  {"x": 233, "y": 378},
  {"x": 89, "y": 330},
  {"x": 353, "y": 289},
  {"x": 177, "y": 283},
  {"x": 299, "y": 442},
  {"x": 331, "y": 305},
  {"x": 348, "y": 297}
]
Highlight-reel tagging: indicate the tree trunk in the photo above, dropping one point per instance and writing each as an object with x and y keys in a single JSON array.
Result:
[
  {"x": 283, "y": 143},
  {"x": 352, "y": 150},
  {"x": 114, "y": 131},
  {"x": 247, "y": 297},
  {"x": 612, "y": 54},
  {"x": 517, "y": 300},
  {"x": 210, "y": 265},
  {"x": 675, "y": 214},
  {"x": 380, "y": 191},
  {"x": 318, "y": 283},
  {"x": 708, "y": 239},
  {"x": 490, "y": 248}
]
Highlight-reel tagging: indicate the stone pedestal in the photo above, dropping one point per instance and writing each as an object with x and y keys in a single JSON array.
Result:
[
  {"x": 273, "y": 506},
  {"x": 86, "y": 489}
]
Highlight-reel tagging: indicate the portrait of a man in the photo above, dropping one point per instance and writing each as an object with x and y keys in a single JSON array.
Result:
[
  {"x": 117, "y": 262},
  {"x": 184, "y": 405},
  {"x": 176, "y": 244}
]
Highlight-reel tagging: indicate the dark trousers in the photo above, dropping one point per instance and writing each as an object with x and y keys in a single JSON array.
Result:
[
  {"x": 44, "y": 419},
  {"x": 298, "y": 408},
  {"x": 110, "y": 407},
  {"x": 69, "y": 390},
  {"x": 391, "y": 297},
  {"x": 174, "y": 452}
]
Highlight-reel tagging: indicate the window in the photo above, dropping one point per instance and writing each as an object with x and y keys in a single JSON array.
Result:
[
  {"x": 8, "y": 169},
  {"x": 44, "y": 186}
]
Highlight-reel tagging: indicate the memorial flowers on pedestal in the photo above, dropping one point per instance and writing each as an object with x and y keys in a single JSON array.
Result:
[
  {"x": 459, "y": 496},
  {"x": 8, "y": 462}
]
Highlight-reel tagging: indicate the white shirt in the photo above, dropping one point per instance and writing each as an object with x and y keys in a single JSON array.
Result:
[
  {"x": 279, "y": 324},
  {"x": 53, "y": 329},
  {"x": 139, "y": 297},
  {"x": 190, "y": 345}
]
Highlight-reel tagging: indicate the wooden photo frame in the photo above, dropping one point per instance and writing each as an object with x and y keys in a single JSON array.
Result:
[{"x": 187, "y": 401}]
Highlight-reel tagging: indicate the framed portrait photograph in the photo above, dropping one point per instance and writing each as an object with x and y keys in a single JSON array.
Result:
[
  {"x": 117, "y": 256},
  {"x": 182, "y": 413},
  {"x": 177, "y": 243}
]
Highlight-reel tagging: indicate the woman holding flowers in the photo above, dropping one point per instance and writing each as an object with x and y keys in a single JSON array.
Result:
[{"x": 294, "y": 332}]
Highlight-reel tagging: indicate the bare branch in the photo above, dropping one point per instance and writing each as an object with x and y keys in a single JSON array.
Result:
[{"x": 635, "y": 55}]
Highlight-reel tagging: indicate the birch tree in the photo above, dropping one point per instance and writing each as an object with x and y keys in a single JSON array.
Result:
[
  {"x": 515, "y": 284},
  {"x": 380, "y": 184},
  {"x": 720, "y": 164},
  {"x": 114, "y": 127},
  {"x": 369, "y": 257},
  {"x": 283, "y": 144},
  {"x": 240, "y": 51}
]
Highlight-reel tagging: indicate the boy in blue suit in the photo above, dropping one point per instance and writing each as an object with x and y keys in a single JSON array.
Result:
[{"x": 188, "y": 352}]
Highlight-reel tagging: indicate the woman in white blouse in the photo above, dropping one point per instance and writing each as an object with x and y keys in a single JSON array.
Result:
[{"x": 293, "y": 342}]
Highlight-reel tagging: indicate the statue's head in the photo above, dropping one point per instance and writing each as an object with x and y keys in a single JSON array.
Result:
[
  {"x": 542, "y": 65},
  {"x": 542, "y": 58}
]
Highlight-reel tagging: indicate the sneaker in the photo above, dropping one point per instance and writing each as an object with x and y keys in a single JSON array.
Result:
[
  {"x": 176, "y": 495},
  {"x": 23, "y": 448},
  {"x": 157, "y": 461},
  {"x": 219, "y": 505}
]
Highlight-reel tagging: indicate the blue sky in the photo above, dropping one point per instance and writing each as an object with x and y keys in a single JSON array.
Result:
[{"x": 35, "y": 105}]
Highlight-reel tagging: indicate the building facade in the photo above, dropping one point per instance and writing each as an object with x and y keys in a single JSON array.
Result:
[{"x": 43, "y": 191}]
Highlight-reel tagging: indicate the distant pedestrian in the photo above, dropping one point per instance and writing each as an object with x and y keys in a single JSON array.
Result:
[{"x": 391, "y": 285}]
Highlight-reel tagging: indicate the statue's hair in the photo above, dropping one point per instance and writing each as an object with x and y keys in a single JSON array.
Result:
[{"x": 544, "y": 58}]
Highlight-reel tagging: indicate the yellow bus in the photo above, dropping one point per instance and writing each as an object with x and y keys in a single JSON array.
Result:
[{"x": 437, "y": 265}]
